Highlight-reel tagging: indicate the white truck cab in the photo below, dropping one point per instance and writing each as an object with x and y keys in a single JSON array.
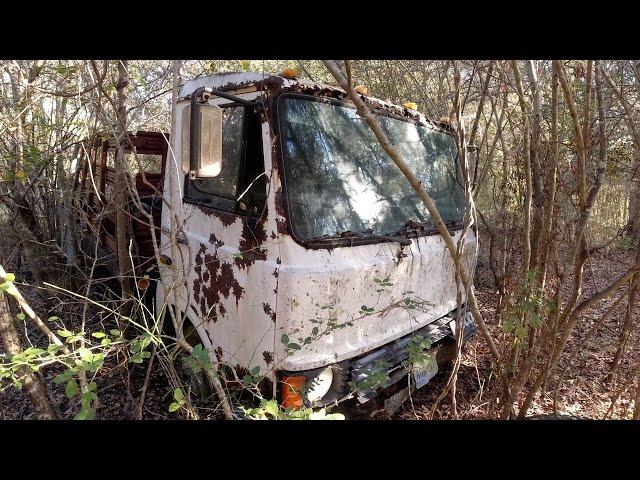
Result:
[{"x": 303, "y": 249}]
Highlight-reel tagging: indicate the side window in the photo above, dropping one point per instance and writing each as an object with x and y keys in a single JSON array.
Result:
[{"x": 222, "y": 190}]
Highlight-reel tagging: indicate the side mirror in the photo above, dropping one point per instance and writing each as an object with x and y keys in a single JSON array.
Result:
[{"x": 205, "y": 140}]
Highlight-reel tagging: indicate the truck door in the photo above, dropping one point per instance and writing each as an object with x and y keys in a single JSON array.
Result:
[{"x": 224, "y": 245}]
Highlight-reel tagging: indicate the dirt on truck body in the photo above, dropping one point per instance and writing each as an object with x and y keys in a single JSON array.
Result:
[{"x": 302, "y": 249}]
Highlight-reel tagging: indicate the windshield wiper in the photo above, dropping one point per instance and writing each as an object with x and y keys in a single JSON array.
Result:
[
  {"x": 382, "y": 236},
  {"x": 366, "y": 234},
  {"x": 416, "y": 228},
  {"x": 413, "y": 227}
]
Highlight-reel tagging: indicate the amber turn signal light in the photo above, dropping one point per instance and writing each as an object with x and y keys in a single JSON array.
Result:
[
  {"x": 292, "y": 389},
  {"x": 289, "y": 73}
]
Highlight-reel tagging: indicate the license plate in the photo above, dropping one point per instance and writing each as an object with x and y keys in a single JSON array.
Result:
[{"x": 424, "y": 371}]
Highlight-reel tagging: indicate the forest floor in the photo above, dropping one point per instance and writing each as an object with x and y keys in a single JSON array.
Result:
[{"x": 583, "y": 392}]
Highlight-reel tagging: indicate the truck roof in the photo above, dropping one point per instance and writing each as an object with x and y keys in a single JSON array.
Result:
[
  {"x": 239, "y": 80},
  {"x": 245, "y": 80}
]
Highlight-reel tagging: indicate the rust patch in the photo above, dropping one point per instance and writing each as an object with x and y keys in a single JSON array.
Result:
[
  {"x": 215, "y": 242},
  {"x": 279, "y": 202},
  {"x": 250, "y": 245},
  {"x": 241, "y": 371},
  {"x": 268, "y": 357},
  {"x": 282, "y": 225},
  {"x": 215, "y": 279},
  {"x": 281, "y": 218},
  {"x": 225, "y": 217},
  {"x": 269, "y": 311}
]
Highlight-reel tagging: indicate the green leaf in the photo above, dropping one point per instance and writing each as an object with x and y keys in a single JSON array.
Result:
[
  {"x": 534, "y": 320},
  {"x": 64, "y": 333},
  {"x": 255, "y": 370},
  {"x": 64, "y": 376},
  {"x": 84, "y": 414},
  {"x": 294, "y": 346},
  {"x": 137, "y": 358},
  {"x": 98, "y": 335},
  {"x": 334, "y": 416},
  {"x": 20, "y": 316},
  {"x": 271, "y": 407},
  {"x": 71, "y": 388},
  {"x": 10, "y": 277},
  {"x": 178, "y": 395},
  {"x": 85, "y": 354},
  {"x": 115, "y": 332},
  {"x": 33, "y": 351},
  {"x": 284, "y": 338},
  {"x": 174, "y": 406}
]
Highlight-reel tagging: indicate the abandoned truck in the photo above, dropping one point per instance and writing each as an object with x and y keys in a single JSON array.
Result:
[{"x": 302, "y": 248}]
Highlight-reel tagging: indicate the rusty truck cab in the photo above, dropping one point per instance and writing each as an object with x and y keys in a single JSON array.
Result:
[{"x": 304, "y": 254}]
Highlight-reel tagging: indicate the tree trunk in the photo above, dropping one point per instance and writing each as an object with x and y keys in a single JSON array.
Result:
[
  {"x": 122, "y": 220},
  {"x": 32, "y": 382}
]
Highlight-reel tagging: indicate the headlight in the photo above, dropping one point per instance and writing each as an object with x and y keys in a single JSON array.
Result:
[{"x": 318, "y": 386}]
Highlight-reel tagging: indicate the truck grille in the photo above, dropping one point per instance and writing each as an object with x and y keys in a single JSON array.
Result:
[{"x": 394, "y": 353}]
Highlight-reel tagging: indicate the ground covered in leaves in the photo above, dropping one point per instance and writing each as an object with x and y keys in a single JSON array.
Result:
[{"x": 583, "y": 391}]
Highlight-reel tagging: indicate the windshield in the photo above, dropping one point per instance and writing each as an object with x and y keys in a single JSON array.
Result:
[{"x": 340, "y": 179}]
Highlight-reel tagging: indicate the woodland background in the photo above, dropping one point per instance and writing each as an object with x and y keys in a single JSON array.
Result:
[{"x": 557, "y": 197}]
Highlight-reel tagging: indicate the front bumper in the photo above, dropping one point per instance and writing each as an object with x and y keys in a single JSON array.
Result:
[{"x": 386, "y": 363}]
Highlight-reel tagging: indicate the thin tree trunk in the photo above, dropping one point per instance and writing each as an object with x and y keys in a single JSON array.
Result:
[
  {"x": 32, "y": 381},
  {"x": 527, "y": 171},
  {"x": 580, "y": 150},
  {"x": 536, "y": 169},
  {"x": 122, "y": 219},
  {"x": 483, "y": 95},
  {"x": 551, "y": 176}
]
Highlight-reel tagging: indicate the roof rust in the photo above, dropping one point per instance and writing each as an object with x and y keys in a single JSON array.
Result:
[{"x": 276, "y": 83}]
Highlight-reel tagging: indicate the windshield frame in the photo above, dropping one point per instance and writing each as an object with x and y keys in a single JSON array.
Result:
[{"x": 361, "y": 238}]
